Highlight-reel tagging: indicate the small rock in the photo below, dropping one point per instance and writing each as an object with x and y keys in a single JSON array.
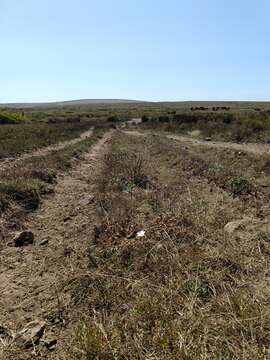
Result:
[
  {"x": 23, "y": 238},
  {"x": 233, "y": 226},
  {"x": 44, "y": 242},
  {"x": 86, "y": 200},
  {"x": 30, "y": 334},
  {"x": 208, "y": 139}
]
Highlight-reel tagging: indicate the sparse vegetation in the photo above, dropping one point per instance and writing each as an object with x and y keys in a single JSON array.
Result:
[
  {"x": 184, "y": 290},
  {"x": 16, "y": 139},
  {"x": 23, "y": 186},
  {"x": 163, "y": 250},
  {"x": 225, "y": 126}
]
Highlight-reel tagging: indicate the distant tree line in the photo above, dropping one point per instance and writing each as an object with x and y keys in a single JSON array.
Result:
[
  {"x": 189, "y": 118},
  {"x": 214, "y": 108}
]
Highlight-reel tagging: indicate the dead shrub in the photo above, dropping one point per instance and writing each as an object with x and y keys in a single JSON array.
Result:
[
  {"x": 125, "y": 171},
  {"x": 118, "y": 218}
]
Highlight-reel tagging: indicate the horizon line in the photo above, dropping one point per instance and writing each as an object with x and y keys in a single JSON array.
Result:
[{"x": 100, "y": 100}]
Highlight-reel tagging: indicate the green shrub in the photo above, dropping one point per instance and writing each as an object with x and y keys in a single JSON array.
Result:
[
  {"x": 239, "y": 186},
  {"x": 11, "y": 118}
]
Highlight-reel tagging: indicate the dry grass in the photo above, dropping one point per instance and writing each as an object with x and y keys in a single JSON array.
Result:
[
  {"x": 185, "y": 290},
  {"x": 22, "y": 186},
  {"x": 225, "y": 126},
  {"x": 19, "y": 138}
]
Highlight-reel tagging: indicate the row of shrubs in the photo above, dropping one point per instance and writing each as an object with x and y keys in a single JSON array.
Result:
[
  {"x": 214, "y": 108},
  {"x": 232, "y": 126},
  {"x": 255, "y": 121}
]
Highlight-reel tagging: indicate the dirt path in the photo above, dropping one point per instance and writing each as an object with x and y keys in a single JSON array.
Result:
[
  {"x": 33, "y": 279},
  {"x": 13, "y": 161},
  {"x": 257, "y": 149}
]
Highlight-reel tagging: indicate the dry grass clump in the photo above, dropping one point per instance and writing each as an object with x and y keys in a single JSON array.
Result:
[
  {"x": 126, "y": 170},
  {"x": 25, "y": 191},
  {"x": 184, "y": 290}
]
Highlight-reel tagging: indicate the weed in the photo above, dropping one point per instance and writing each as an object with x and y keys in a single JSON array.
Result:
[
  {"x": 239, "y": 186},
  {"x": 198, "y": 288}
]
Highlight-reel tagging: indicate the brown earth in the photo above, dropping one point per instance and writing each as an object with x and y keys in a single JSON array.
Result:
[{"x": 33, "y": 279}]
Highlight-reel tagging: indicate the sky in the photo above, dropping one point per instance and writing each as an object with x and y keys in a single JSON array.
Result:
[{"x": 134, "y": 49}]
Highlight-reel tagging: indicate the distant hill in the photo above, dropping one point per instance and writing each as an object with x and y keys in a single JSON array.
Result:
[
  {"x": 177, "y": 105},
  {"x": 69, "y": 103}
]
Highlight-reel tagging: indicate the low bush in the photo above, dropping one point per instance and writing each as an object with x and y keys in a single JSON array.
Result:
[
  {"x": 11, "y": 118},
  {"x": 239, "y": 186},
  {"x": 126, "y": 170}
]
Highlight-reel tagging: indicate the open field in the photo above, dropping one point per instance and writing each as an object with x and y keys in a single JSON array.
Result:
[
  {"x": 192, "y": 287},
  {"x": 149, "y": 242}
]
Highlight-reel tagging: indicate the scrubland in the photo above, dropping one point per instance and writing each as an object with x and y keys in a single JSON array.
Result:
[
  {"x": 175, "y": 241},
  {"x": 186, "y": 289}
]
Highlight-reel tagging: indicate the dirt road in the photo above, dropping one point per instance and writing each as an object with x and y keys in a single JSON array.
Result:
[
  {"x": 257, "y": 149},
  {"x": 13, "y": 161},
  {"x": 33, "y": 279}
]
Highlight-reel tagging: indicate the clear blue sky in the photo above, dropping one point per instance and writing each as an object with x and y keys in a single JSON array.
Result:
[{"x": 136, "y": 49}]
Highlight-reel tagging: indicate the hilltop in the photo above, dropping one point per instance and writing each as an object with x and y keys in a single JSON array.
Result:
[{"x": 69, "y": 103}]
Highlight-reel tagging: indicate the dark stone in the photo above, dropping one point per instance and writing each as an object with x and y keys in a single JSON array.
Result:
[{"x": 24, "y": 238}]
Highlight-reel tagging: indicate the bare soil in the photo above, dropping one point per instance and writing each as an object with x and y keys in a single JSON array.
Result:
[{"x": 33, "y": 279}]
